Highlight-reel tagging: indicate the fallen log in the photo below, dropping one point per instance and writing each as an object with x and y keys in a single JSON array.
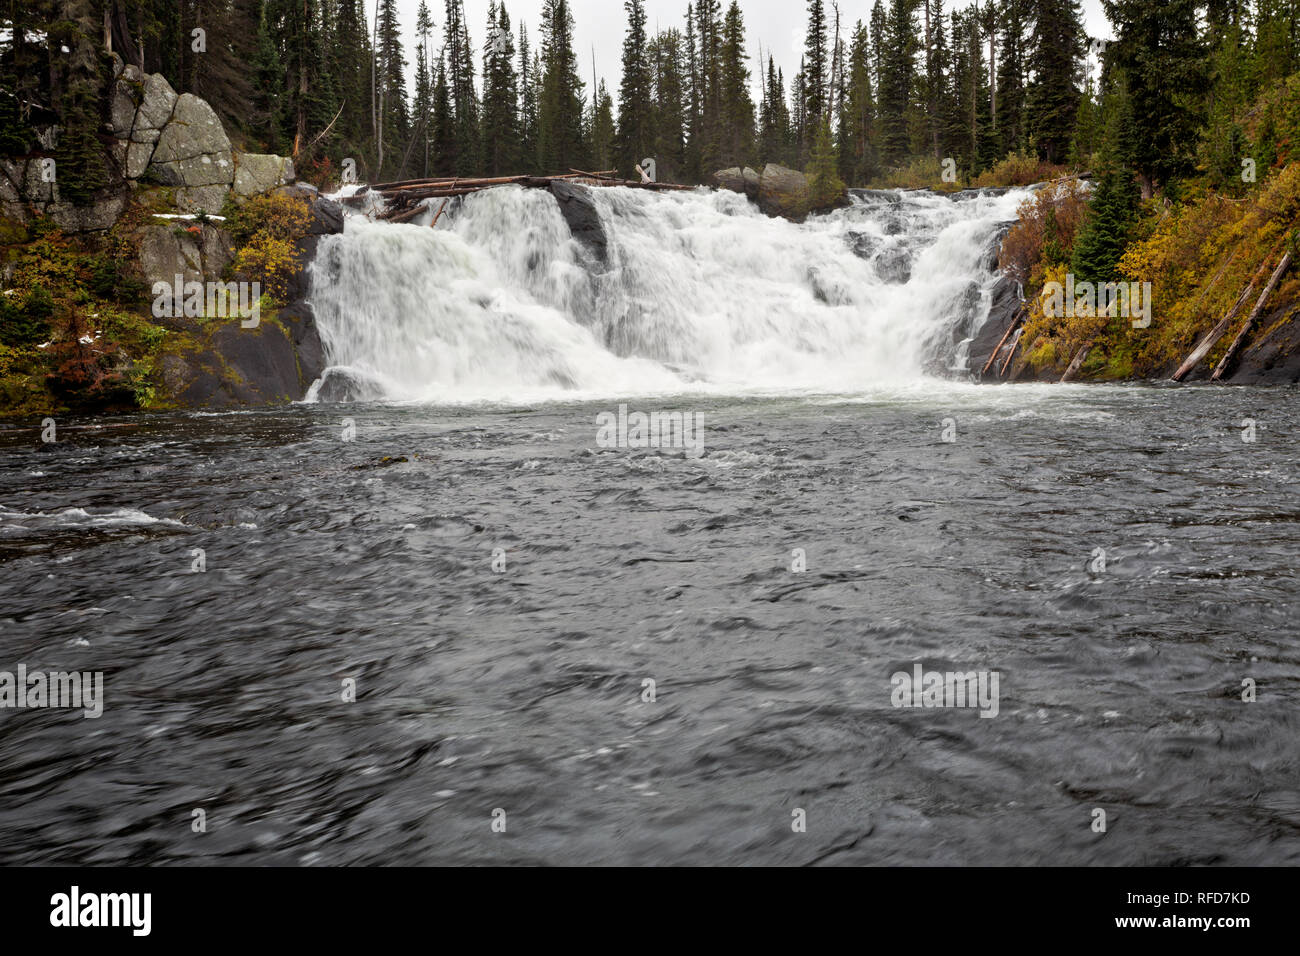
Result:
[
  {"x": 1010, "y": 355},
  {"x": 441, "y": 209},
  {"x": 1211, "y": 339},
  {"x": 1077, "y": 363},
  {"x": 1015, "y": 324},
  {"x": 406, "y": 215},
  {"x": 1226, "y": 362}
]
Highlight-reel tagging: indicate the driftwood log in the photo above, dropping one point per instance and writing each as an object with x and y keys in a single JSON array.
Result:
[
  {"x": 404, "y": 198},
  {"x": 1211, "y": 339},
  {"x": 1226, "y": 362}
]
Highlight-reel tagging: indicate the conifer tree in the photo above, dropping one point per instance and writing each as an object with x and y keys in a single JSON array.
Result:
[
  {"x": 825, "y": 187},
  {"x": 1052, "y": 99},
  {"x": 736, "y": 140},
  {"x": 560, "y": 137},
  {"x": 635, "y": 103},
  {"x": 500, "y": 138}
]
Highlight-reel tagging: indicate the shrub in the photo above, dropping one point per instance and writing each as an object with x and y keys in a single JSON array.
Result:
[
  {"x": 273, "y": 215},
  {"x": 270, "y": 261},
  {"x": 1044, "y": 234}
]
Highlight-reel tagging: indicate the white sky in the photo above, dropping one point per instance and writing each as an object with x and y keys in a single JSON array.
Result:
[{"x": 600, "y": 24}]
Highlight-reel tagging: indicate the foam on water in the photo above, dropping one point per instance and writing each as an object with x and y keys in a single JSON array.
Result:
[{"x": 702, "y": 293}]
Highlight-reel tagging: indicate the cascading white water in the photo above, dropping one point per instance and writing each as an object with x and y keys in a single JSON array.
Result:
[{"x": 701, "y": 292}]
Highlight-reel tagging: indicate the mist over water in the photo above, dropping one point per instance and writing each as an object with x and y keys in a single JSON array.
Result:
[{"x": 701, "y": 292}]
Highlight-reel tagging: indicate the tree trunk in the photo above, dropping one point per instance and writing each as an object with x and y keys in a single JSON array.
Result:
[{"x": 1226, "y": 362}]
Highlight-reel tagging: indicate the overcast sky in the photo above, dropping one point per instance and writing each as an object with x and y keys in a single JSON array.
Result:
[{"x": 778, "y": 25}]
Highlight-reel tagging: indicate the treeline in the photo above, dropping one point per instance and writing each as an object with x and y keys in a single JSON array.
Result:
[{"x": 911, "y": 84}]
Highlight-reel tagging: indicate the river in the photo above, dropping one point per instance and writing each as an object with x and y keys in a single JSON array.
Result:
[{"x": 497, "y": 587}]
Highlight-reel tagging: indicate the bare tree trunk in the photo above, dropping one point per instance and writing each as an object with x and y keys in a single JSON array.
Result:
[{"x": 1226, "y": 362}]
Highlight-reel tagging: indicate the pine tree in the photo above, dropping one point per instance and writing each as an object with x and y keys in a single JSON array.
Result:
[
  {"x": 825, "y": 187},
  {"x": 422, "y": 107},
  {"x": 1106, "y": 231},
  {"x": 635, "y": 103},
  {"x": 860, "y": 117},
  {"x": 560, "y": 140},
  {"x": 500, "y": 95},
  {"x": 460, "y": 81},
  {"x": 529, "y": 71},
  {"x": 349, "y": 65},
  {"x": 395, "y": 117},
  {"x": 1052, "y": 99},
  {"x": 446, "y": 157},
  {"x": 775, "y": 134},
  {"x": 898, "y": 71},
  {"x": 670, "y": 90},
  {"x": 1161, "y": 54},
  {"x": 1012, "y": 132},
  {"x": 736, "y": 142},
  {"x": 601, "y": 147},
  {"x": 816, "y": 68}
]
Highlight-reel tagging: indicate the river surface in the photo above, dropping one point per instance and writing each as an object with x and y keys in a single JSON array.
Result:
[{"x": 514, "y": 694}]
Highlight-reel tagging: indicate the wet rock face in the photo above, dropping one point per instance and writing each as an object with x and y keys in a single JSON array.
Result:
[
  {"x": 583, "y": 219},
  {"x": 1273, "y": 359},
  {"x": 894, "y": 265},
  {"x": 1002, "y": 312}
]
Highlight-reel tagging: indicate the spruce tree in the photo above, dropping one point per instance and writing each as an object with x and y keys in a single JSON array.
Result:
[
  {"x": 560, "y": 140},
  {"x": 670, "y": 90},
  {"x": 1106, "y": 231},
  {"x": 825, "y": 187},
  {"x": 500, "y": 127},
  {"x": 635, "y": 103},
  {"x": 736, "y": 140},
  {"x": 1160, "y": 51},
  {"x": 1052, "y": 99},
  {"x": 860, "y": 118},
  {"x": 816, "y": 69}
]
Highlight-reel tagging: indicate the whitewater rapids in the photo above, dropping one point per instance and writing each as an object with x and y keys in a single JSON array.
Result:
[{"x": 702, "y": 293}]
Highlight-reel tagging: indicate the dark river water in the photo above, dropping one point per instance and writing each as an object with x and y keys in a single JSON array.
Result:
[{"x": 515, "y": 695}]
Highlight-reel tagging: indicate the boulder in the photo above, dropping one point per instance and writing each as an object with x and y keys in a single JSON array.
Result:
[
  {"x": 745, "y": 181},
  {"x": 194, "y": 153},
  {"x": 95, "y": 217},
  {"x": 208, "y": 199},
  {"x": 257, "y": 173},
  {"x": 167, "y": 251},
  {"x": 1002, "y": 312},
  {"x": 583, "y": 219},
  {"x": 783, "y": 192},
  {"x": 158, "y": 103},
  {"x": 326, "y": 214},
  {"x": 732, "y": 179},
  {"x": 894, "y": 265}
]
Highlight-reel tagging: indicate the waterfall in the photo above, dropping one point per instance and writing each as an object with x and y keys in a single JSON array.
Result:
[{"x": 698, "y": 292}]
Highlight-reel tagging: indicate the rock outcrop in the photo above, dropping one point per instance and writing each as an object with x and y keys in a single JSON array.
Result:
[
  {"x": 778, "y": 191},
  {"x": 583, "y": 219},
  {"x": 160, "y": 137},
  {"x": 745, "y": 181}
]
